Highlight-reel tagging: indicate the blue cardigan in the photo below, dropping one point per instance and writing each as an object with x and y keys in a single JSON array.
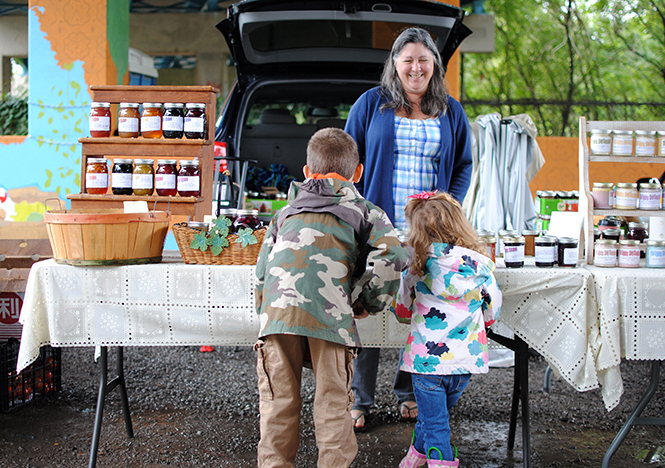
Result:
[{"x": 374, "y": 132}]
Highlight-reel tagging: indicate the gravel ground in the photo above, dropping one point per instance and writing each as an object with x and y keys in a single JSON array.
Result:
[{"x": 193, "y": 409}]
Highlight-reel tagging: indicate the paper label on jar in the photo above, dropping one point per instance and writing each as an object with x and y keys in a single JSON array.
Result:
[
  {"x": 570, "y": 256},
  {"x": 97, "y": 180},
  {"x": 188, "y": 183},
  {"x": 622, "y": 146},
  {"x": 164, "y": 181},
  {"x": 545, "y": 253},
  {"x": 194, "y": 124},
  {"x": 128, "y": 125},
  {"x": 100, "y": 124},
  {"x": 649, "y": 199},
  {"x": 142, "y": 181},
  {"x": 601, "y": 144},
  {"x": 151, "y": 124},
  {"x": 625, "y": 198},
  {"x": 605, "y": 256},
  {"x": 172, "y": 123},
  {"x": 655, "y": 257},
  {"x": 645, "y": 146},
  {"x": 121, "y": 180},
  {"x": 629, "y": 256},
  {"x": 513, "y": 253}
]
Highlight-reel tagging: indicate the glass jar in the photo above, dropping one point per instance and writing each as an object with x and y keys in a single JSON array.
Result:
[
  {"x": 609, "y": 222},
  {"x": 513, "y": 251},
  {"x": 143, "y": 177},
  {"x": 602, "y": 193},
  {"x": 645, "y": 143},
  {"x": 195, "y": 121},
  {"x": 529, "y": 242},
  {"x": 121, "y": 177},
  {"x": 490, "y": 244},
  {"x": 128, "y": 120},
  {"x": 622, "y": 143},
  {"x": 189, "y": 178},
  {"x": 96, "y": 176},
  {"x": 151, "y": 120},
  {"x": 655, "y": 253},
  {"x": 650, "y": 196},
  {"x": 625, "y": 196},
  {"x": 230, "y": 213},
  {"x": 605, "y": 253},
  {"x": 165, "y": 178},
  {"x": 100, "y": 119},
  {"x": 638, "y": 231},
  {"x": 660, "y": 144},
  {"x": 545, "y": 251},
  {"x": 198, "y": 225},
  {"x": 600, "y": 143},
  {"x": 573, "y": 201},
  {"x": 629, "y": 253},
  {"x": 173, "y": 120},
  {"x": 503, "y": 233},
  {"x": 611, "y": 234},
  {"x": 247, "y": 219},
  {"x": 567, "y": 252},
  {"x": 596, "y": 234}
]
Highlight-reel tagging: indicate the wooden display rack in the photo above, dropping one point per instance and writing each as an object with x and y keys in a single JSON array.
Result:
[
  {"x": 138, "y": 148},
  {"x": 586, "y": 198}
]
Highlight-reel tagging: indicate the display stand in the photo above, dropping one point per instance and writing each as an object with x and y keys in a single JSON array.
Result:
[{"x": 137, "y": 148}]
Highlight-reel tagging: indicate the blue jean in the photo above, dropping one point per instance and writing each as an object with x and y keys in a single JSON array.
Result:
[
  {"x": 366, "y": 367},
  {"x": 436, "y": 395}
]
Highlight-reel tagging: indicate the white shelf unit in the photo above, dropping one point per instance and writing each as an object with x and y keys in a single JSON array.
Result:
[{"x": 586, "y": 199}]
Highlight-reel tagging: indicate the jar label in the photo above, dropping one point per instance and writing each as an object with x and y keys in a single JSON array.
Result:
[
  {"x": 645, "y": 146},
  {"x": 649, "y": 199},
  {"x": 570, "y": 256},
  {"x": 100, "y": 123},
  {"x": 513, "y": 253},
  {"x": 194, "y": 124},
  {"x": 629, "y": 256},
  {"x": 128, "y": 125},
  {"x": 172, "y": 123},
  {"x": 142, "y": 181},
  {"x": 622, "y": 146},
  {"x": 600, "y": 144},
  {"x": 188, "y": 183},
  {"x": 164, "y": 181},
  {"x": 545, "y": 253},
  {"x": 601, "y": 198},
  {"x": 97, "y": 180},
  {"x": 655, "y": 257},
  {"x": 605, "y": 256},
  {"x": 151, "y": 124},
  {"x": 661, "y": 150},
  {"x": 121, "y": 180},
  {"x": 626, "y": 198}
]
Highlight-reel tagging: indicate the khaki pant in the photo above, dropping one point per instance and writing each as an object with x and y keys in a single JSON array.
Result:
[{"x": 279, "y": 367}]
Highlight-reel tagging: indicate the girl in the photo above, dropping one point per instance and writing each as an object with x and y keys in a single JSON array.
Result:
[{"x": 449, "y": 296}]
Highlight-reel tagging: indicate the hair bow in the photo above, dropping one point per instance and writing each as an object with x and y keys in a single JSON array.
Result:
[{"x": 423, "y": 195}]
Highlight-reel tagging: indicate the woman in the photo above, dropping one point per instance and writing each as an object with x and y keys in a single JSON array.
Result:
[{"x": 412, "y": 137}]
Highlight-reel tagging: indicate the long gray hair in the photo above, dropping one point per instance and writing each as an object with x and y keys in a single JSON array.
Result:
[{"x": 435, "y": 99}]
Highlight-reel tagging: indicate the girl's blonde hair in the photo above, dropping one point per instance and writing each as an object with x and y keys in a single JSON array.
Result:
[{"x": 438, "y": 218}]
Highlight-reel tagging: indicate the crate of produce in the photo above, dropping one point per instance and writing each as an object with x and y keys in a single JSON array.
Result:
[{"x": 42, "y": 378}]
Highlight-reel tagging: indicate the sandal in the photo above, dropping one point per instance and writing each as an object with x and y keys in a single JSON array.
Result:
[
  {"x": 357, "y": 419},
  {"x": 406, "y": 409}
]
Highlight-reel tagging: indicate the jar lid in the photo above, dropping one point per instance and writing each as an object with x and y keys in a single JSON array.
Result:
[
  {"x": 622, "y": 132},
  {"x": 629, "y": 242},
  {"x": 195, "y": 105},
  {"x": 645, "y": 132},
  {"x": 189, "y": 162},
  {"x": 563, "y": 194},
  {"x": 197, "y": 225},
  {"x": 174, "y": 104},
  {"x": 508, "y": 232},
  {"x": 96, "y": 160},
  {"x": 661, "y": 132},
  {"x": 627, "y": 185},
  {"x": 549, "y": 194},
  {"x": 649, "y": 185},
  {"x": 656, "y": 242},
  {"x": 152, "y": 104},
  {"x": 129, "y": 104},
  {"x": 603, "y": 185},
  {"x": 606, "y": 242},
  {"x": 225, "y": 211},
  {"x": 513, "y": 239},
  {"x": 485, "y": 233},
  {"x": 638, "y": 225},
  {"x": 529, "y": 232},
  {"x": 144, "y": 161},
  {"x": 611, "y": 232},
  {"x": 567, "y": 240},
  {"x": 169, "y": 162},
  {"x": 545, "y": 240},
  {"x": 600, "y": 130},
  {"x": 123, "y": 161},
  {"x": 100, "y": 104},
  {"x": 488, "y": 239},
  {"x": 248, "y": 213}
]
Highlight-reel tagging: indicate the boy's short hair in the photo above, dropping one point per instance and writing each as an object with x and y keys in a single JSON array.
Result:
[{"x": 332, "y": 150}]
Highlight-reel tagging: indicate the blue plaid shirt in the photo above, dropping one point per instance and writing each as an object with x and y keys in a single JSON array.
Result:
[{"x": 417, "y": 146}]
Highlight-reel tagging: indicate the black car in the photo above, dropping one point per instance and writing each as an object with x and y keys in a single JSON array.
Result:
[{"x": 302, "y": 64}]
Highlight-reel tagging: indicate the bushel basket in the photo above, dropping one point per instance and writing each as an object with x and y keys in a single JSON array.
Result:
[{"x": 233, "y": 254}]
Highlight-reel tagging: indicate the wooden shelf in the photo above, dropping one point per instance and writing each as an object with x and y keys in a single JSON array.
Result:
[
  {"x": 627, "y": 159},
  {"x": 175, "y": 205}
]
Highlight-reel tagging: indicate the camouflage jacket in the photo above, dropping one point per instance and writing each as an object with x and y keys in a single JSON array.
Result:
[{"x": 314, "y": 252}]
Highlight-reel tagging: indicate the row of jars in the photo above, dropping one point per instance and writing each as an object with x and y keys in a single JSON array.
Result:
[
  {"x": 626, "y": 253},
  {"x": 627, "y": 143},
  {"x": 171, "y": 120},
  {"x": 139, "y": 177},
  {"x": 240, "y": 219},
  {"x": 627, "y": 195}
]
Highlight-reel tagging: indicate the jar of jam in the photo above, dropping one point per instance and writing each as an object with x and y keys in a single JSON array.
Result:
[
  {"x": 247, "y": 219},
  {"x": 128, "y": 120},
  {"x": 529, "y": 242},
  {"x": 622, "y": 143},
  {"x": 629, "y": 253},
  {"x": 639, "y": 232},
  {"x": 198, "y": 225},
  {"x": 655, "y": 253},
  {"x": 195, "y": 121},
  {"x": 96, "y": 176},
  {"x": 151, "y": 120},
  {"x": 567, "y": 252},
  {"x": 143, "y": 177},
  {"x": 545, "y": 251},
  {"x": 600, "y": 143},
  {"x": 173, "y": 120},
  {"x": 645, "y": 143},
  {"x": 489, "y": 240},
  {"x": 189, "y": 178},
  {"x": 609, "y": 222},
  {"x": 121, "y": 177},
  {"x": 165, "y": 178},
  {"x": 603, "y": 196},
  {"x": 503, "y": 233},
  {"x": 650, "y": 195},
  {"x": 230, "y": 213},
  {"x": 611, "y": 234},
  {"x": 605, "y": 253},
  {"x": 100, "y": 119},
  {"x": 625, "y": 196}
]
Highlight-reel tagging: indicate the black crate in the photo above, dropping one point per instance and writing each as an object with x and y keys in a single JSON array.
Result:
[{"x": 43, "y": 377}]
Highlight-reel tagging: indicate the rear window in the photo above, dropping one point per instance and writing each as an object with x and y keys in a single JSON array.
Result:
[{"x": 303, "y": 112}]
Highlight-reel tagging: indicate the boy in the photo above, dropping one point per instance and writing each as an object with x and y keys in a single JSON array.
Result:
[{"x": 315, "y": 249}]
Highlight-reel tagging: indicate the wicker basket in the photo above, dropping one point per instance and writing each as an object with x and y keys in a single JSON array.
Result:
[{"x": 234, "y": 254}]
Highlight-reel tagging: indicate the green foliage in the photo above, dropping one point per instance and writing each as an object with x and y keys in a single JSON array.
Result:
[
  {"x": 13, "y": 115},
  {"x": 246, "y": 237},
  {"x": 217, "y": 237}
]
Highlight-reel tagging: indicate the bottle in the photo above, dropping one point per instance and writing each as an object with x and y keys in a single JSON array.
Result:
[
  {"x": 143, "y": 177},
  {"x": 173, "y": 120},
  {"x": 195, "y": 121},
  {"x": 189, "y": 178},
  {"x": 151, "y": 120},
  {"x": 96, "y": 176},
  {"x": 128, "y": 120},
  {"x": 100, "y": 119},
  {"x": 121, "y": 177},
  {"x": 513, "y": 251},
  {"x": 165, "y": 178}
]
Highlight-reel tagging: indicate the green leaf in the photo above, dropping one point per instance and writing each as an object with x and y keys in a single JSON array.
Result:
[
  {"x": 221, "y": 226},
  {"x": 199, "y": 242},
  {"x": 50, "y": 120},
  {"x": 246, "y": 237},
  {"x": 218, "y": 244},
  {"x": 40, "y": 115}
]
